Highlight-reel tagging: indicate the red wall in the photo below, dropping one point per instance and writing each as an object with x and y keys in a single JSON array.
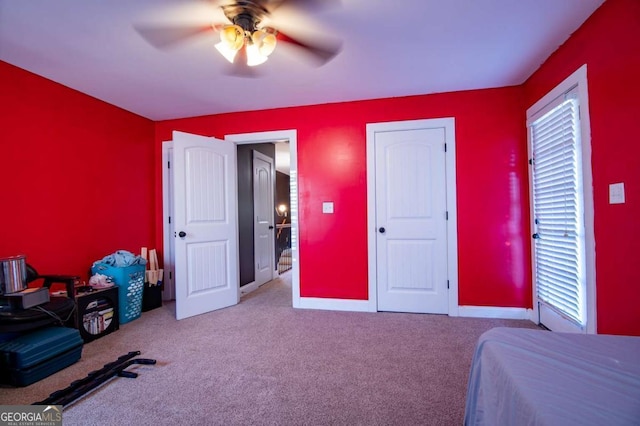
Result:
[
  {"x": 82, "y": 178},
  {"x": 77, "y": 175},
  {"x": 494, "y": 253},
  {"x": 609, "y": 43}
]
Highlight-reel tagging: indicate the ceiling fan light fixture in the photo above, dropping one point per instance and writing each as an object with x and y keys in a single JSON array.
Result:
[
  {"x": 229, "y": 54},
  {"x": 231, "y": 41},
  {"x": 254, "y": 57},
  {"x": 232, "y": 36},
  {"x": 264, "y": 41}
]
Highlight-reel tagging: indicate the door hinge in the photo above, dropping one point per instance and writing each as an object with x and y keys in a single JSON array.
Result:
[
  {"x": 446, "y": 215},
  {"x": 447, "y": 284},
  {"x": 445, "y": 147},
  {"x": 169, "y": 219},
  {"x": 170, "y": 275},
  {"x": 168, "y": 164},
  {"x": 531, "y": 161}
]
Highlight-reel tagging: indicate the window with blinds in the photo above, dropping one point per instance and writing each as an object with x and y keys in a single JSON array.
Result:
[{"x": 558, "y": 209}]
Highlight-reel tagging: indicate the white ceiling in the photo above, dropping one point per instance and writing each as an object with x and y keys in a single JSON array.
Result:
[{"x": 390, "y": 48}]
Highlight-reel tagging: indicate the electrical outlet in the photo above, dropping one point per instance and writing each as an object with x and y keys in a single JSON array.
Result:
[{"x": 327, "y": 207}]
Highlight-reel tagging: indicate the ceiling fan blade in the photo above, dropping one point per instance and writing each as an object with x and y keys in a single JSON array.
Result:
[
  {"x": 308, "y": 5},
  {"x": 167, "y": 36},
  {"x": 320, "y": 52}
]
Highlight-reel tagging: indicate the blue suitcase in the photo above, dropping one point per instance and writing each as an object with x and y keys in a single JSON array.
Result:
[{"x": 38, "y": 354}]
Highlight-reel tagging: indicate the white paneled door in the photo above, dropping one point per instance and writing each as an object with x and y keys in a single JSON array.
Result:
[
  {"x": 263, "y": 204},
  {"x": 206, "y": 247},
  {"x": 411, "y": 223}
]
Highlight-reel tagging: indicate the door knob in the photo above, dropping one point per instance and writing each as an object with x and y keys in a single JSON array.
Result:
[
  {"x": 182, "y": 234},
  {"x": 382, "y": 230},
  {"x": 535, "y": 236},
  {"x": 270, "y": 226}
]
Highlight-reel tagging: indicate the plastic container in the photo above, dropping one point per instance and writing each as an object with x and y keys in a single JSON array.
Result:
[
  {"x": 13, "y": 274},
  {"x": 130, "y": 282}
]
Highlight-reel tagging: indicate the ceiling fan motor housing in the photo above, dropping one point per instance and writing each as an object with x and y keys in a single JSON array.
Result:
[
  {"x": 246, "y": 22},
  {"x": 246, "y": 14}
]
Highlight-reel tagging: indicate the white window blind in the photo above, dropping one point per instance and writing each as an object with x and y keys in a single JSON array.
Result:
[{"x": 558, "y": 209}]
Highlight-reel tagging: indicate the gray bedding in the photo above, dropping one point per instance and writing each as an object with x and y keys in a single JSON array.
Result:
[{"x": 535, "y": 377}]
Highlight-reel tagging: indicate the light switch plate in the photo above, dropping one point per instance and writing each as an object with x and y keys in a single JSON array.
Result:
[
  {"x": 616, "y": 193},
  {"x": 327, "y": 207}
]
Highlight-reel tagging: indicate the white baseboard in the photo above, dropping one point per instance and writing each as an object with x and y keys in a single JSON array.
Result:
[
  {"x": 334, "y": 304},
  {"x": 365, "y": 306},
  {"x": 494, "y": 312},
  {"x": 248, "y": 288}
]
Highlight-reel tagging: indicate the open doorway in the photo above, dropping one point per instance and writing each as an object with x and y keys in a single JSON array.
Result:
[
  {"x": 286, "y": 163},
  {"x": 273, "y": 137},
  {"x": 172, "y": 204},
  {"x": 256, "y": 180},
  {"x": 264, "y": 227}
]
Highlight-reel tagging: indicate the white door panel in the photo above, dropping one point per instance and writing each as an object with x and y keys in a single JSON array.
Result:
[
  {"x": 263, "y": 202},
  {"x": 206, "y": 248},
  {"x": 410, "y": 182}
]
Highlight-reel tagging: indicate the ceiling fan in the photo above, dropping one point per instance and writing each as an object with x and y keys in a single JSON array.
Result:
[{"x": 245, "y": 41}]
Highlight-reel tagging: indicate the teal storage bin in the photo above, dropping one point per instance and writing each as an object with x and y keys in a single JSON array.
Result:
[
  {"x": 130, "y": 282},
  {"x": 35, "y": 355}
]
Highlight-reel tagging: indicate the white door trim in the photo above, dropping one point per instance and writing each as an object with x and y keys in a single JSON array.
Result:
[
  {"x": 452, "y": 229},
  {"x": 292, "y": 137},
  {"x": 169, "y": 290}
]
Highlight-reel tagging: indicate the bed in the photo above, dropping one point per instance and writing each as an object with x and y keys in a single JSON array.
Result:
[{"x": 537, "y": 377}]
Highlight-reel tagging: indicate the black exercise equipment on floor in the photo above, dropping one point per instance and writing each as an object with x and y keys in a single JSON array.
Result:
[{"x": 94, "y": 379}]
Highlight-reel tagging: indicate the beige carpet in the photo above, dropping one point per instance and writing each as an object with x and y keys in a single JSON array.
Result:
[{"x": 263, "y": 362}]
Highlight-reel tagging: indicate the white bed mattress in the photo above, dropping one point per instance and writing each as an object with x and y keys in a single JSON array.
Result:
[{"x": 535, "y": 377}]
